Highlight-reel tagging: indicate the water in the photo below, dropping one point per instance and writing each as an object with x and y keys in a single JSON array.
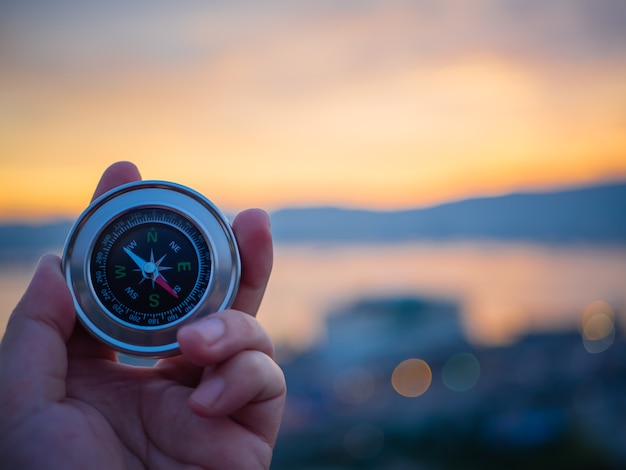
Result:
[{"x": 503, "y": 290}]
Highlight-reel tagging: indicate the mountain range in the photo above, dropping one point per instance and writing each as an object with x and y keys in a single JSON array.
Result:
[
  {"x": 594, "y": 214},
  {"x": 589, "y": 214}
]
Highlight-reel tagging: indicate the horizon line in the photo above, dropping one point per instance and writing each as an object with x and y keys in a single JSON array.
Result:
[{"x": 611, "y": 180}]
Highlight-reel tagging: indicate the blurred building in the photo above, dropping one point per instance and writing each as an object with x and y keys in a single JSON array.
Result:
[
  {"x": 381, "y": 330},
  {"x": 395, "y": 385}
]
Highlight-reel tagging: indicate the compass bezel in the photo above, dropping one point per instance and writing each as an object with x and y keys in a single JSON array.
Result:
[{"x": 225, "y": 264}]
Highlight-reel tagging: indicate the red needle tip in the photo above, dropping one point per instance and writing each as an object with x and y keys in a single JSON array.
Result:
[{"x": 163, "y": 283}]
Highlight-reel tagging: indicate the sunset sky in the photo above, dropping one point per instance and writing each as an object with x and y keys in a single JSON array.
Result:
[{"x": 383, "y": 104}]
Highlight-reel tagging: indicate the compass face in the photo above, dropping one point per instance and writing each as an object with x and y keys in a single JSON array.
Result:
[
  {"x": 151, "y": 267},
  {"x": 146, "y": 258}
]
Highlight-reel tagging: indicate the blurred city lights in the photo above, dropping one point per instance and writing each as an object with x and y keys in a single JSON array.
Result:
[
  {"x": 411, "y": 378},
  {"x": 354, "y": 386},
  {"x": 598, "y": 326},
  {"x": 461, "y": 372}
]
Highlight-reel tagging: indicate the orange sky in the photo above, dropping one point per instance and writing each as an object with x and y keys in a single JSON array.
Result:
[{"x": 384, "y": 104}]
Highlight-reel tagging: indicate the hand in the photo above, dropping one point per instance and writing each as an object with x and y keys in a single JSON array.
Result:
[{"x": 66, "y": 402}]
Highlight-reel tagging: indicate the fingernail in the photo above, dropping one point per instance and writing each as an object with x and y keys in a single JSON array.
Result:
[{"x": 211, "y": 330}]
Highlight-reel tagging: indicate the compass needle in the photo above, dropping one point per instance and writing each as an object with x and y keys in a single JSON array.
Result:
[
  {"x": 136, "y": 259},
  {"x": 160, "y": 280}
]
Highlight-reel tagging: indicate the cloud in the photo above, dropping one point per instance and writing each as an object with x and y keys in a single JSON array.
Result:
[
  {"x": 558, "y": 29},
  {"x": 71, "y": 34}
]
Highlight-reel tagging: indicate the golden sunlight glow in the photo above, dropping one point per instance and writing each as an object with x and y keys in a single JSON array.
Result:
[{"x": 321, "y": 109}]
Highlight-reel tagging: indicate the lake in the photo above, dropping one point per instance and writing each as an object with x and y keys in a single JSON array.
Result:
[{"x": 503, "y": 290}]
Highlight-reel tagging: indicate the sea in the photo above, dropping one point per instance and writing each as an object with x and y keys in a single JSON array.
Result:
[{"x": 503, "y": 290}]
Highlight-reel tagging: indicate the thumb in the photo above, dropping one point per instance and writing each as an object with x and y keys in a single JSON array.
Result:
[{"x": 33, "y": 355}]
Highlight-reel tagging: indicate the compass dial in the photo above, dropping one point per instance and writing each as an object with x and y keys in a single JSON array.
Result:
[
  {"x": 146, "y": 258},
  {"x": 151, "y": 267}
]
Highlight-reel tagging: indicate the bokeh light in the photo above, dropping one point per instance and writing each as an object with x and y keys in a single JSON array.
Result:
[
  {"x": 355, "y": 386},
  {"x": 461, "y": 372},
  {"x": 598, "y": 326},
  {"x": 411, "y": 378}
]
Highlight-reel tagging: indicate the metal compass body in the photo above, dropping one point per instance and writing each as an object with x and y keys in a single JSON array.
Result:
[{"x": 146, "y": 258}]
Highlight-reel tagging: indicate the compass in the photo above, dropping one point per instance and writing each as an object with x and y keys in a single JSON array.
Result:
[{"x": 146, "y": 258}]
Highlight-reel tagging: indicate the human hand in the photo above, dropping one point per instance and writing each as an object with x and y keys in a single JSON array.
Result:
[{"x": 66, "y": 402}]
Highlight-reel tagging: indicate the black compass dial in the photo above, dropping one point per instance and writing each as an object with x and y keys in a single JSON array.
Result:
[{"x": 150, "y": 267}]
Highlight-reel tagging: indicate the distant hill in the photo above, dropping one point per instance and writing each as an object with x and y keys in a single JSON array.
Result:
[
  {"x": 23, "y": 242},
  {"x": 592, "y": 215}
]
